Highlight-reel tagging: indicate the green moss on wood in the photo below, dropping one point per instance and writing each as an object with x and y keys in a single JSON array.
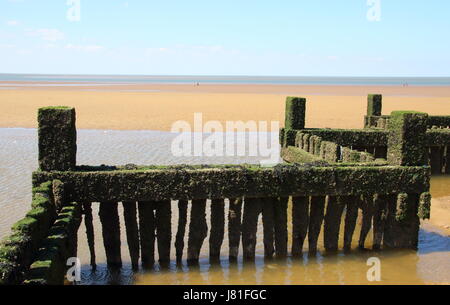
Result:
[
  {"x": 374, "y": 104},
  {"x": 295, "y": 113},
  {"x": 424, "y": 205}
]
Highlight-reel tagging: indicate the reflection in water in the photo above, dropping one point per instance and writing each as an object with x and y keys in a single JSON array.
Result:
[{"x": 18, "y": 158}]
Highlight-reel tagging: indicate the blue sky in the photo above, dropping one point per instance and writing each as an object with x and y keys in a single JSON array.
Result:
[{"x": 246, "y": 37}]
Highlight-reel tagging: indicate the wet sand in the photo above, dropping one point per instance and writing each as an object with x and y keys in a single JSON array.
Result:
[{"x": 157, "y": 107}]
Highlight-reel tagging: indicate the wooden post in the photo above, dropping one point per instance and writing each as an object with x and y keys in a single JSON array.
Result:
[
  {"x": 198, "y": 230},
  {"x": 407, "y": 139},
  {"x": 163, "y": 217},
  {"x": 281, "y": 233},
  {"x": 268, "y": 218},
  {"x": 295, "y": 113},
  {"x": 315, "y": 221},
  {"x": 333, "y": 216},
  {"x": 367, "y": 215},
  {"x": 300, "y": 223},
  {"x": 57, "y": 138},
  {"x": 252, "y": 209},
  {"x": 351, "y": 215},
  {"x": 109, "y": 218},
  {"x": 217, "y": 228},
  {"x": 436, "y": 159},
  {"x": 147, "y": 232},
  {"x": 182, "y": 221},
  {"x": 87, "y": 210},
  {"x": 131, "y": 226},
  {"x": 234, "y": 226},
  {"x": 379, "y": 219}
]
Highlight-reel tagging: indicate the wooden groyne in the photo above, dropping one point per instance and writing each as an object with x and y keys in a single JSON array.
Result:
[{"x": 330, "y": 175}]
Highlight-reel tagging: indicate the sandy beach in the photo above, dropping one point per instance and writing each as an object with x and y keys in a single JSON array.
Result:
[{"x": 157, "y": 107}]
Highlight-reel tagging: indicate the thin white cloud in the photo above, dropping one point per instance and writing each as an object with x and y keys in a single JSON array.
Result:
[
  {"x": 84, "y": 48},
  {"x": 47, "y": 34},
  {"x": 12, "y": 23}
]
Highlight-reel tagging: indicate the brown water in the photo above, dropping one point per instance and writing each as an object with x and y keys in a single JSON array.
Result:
[{"x": 18, "y": 158}]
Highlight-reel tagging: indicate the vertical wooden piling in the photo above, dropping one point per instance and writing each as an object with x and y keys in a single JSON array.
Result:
[
  {"x": 316, "y": 216},
  {"x": 436, "y": 159},
  {"x": 163, "y": 217},
  {"x": 268, "y": 218},
  {"x": 217, "y": 228},
  {"x": 109, "y": 218},
  {"x": 380, "y": 152},
  {"x": 88, "y": 223},
  {"x": 281, "y": 234},
  {"x": 300, "y": 223},
  {"x": 147, "y": 232},
  {"x": 198, "y": 229},
  {"x": 402, "y": 222},
  {"x": 351, "y": 204},
  {"x": 295, "y": 113},
  {"x": 367, "y": 215},
  {"x": 57, "y": 138},
  {"x": 379, "y": 219},
  {"x": 252, "y": 209},
  {"x": 447, "y": 160},
  {"x": 332, "y": 223},
  {"x": 374, "y": 104},
  {"x": 131, "y": 227},
  {"x": 182, "y": 221},
  {"x": 234, "y": 226}
]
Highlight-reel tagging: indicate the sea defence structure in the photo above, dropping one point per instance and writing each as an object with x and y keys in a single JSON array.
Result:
[{"x": 330, "y": 176}]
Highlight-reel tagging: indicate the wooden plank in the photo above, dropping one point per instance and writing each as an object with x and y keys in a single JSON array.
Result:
[
  {"x": 132, "y": 230},
  {"x": 281, "y": 233},
  {"x": 300, "y": 223},
  {"x": 109, "y": 217},
  {"x": 268, "y": 218},
  {"x": 147, "y": 232},
  {"x": 351, "y": 215},
  {"x": 88, "y": 222},
  {"x": 252, "y": 209},
  {"x": 234, "y": 227},
  {"x": 333, "y": 216},
  {"x": 163, "y": 217},
  {"x": 182, "y": 221},
  {"x": 217, "y": 228},
  {"x": 367, "y": 216},
  {"x": 198, "y": 229},
  {"x": 316, "y": 216}
]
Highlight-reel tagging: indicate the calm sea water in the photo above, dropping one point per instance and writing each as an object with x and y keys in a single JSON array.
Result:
[
  {"x": 18, "y": 158},
  {"x": 262, "y": 80}
]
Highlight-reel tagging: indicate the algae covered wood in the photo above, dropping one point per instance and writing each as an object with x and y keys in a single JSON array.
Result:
[
  {"x": 163, "y": 217},
  {"x": 234, "y": 226},
  {"x": 295, "y": 113},
  {"x": 252, "y": 209},
  {"x": 198, "y": 229},
  {"x": 316, "y": 216},
  {"x": 147, "y": 227},
  {"x": 109, "y": 217},
  {"x": 182, "y": 221},
  {"x": 57, "y": 136},
  {"x": 132, "y": 231},
  {"x": 88, "y": 223},
  {"x": 300, "y": 223},
  {"x": 281, "y": 232},
  {"x": 332, "y": 222},
  {"x": 217, "y": 228},
  {"x": 268, "y": 218}
]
